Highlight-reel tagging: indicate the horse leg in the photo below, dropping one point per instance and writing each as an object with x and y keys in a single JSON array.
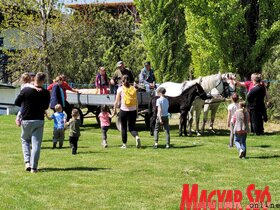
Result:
[
  {"x": 197, "y": 116},
  {"x": 214, "y": 110},
  {"x": 181, "y": 126},
  {"x": 190, "y": 121},
  {"x": 205, "y": 116},
  {"x": 184, "y": 122}
]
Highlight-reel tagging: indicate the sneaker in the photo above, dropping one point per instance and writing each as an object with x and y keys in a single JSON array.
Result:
[
  {"x": 27, "y": 166},
  {"x": 104, "y": 144},
  {"x": 155, "y": 146},
  {"x": 34, "y": 170},
  {"x": 138, "y": 143},
  {"x": 123, "y": 146},
  {"x": 167, "y": 146},
  {"x": 241, "y": 153}
]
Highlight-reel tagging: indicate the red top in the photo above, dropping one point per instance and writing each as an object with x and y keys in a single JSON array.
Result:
[
  {"x": 64, "y": 85},
  {"x": 249, "y": 85}
]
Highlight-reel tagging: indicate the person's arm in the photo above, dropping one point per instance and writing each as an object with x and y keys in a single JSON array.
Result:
[
  {"x": 117, "y": 102},
  {"x": 240, "y": 84},
  {"x": 47, "y": 116},
  {"x": 141, "y": 77},
  {"x": 19, "y": 98},
  {"x": 228, "y": 118},
  {"x": 68, "y": 87},
  {"x": 159, "y": 113}
]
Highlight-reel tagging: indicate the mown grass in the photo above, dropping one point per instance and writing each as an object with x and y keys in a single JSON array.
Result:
[{"x": 146, "y": 178}]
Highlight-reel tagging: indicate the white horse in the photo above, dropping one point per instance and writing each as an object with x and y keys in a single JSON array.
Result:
[{"x": 219, "y": 86}]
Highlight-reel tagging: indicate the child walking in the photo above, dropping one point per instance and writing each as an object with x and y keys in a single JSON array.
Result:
[
  {"x": 59, "y": 119},
  {"x": 241, "y": 119},
  {"x": 162, "y": 117},
  {"x": 231, "y": 110},
  {"x": 74, "y": 130},
  {"x": 104, "y": 117}
]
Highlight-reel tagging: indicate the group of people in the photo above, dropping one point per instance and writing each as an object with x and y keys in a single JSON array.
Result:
[
  {"x": 239, "y": 117},
  {"x": 34, "y": 100},
  {"x": 146, "y": 78}
]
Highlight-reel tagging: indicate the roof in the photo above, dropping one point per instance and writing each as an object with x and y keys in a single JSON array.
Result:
[{"x": 106, "y": 3}]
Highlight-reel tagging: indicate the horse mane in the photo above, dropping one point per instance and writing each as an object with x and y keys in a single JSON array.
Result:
[
  {"x": 210, "y": 82},
  {"x": 189, "y": 83}
]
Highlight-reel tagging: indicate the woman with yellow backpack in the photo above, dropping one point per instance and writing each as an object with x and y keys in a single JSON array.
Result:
[{"x": 127, "y": 98}]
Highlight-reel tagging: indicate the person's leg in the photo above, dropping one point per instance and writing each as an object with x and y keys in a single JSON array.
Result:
[
  {"x": 253, "y": 120},
  {"x": 55, "y": 137},
  {"x": 156, "y": 131},
  {"x": 238, "y": 144},
  {"x": 165, "y": 121},
  {"x": 61, "y": 137},
  {"x": 131, "y": 118},
  {"x": 243, "y": 145},
  {"x": 76, "y": 144},
  {"x": 105, "y": 90},
  {"x": 231, "y": 136},
  {"x": 36, "y": 139},
  {"x": 131, "y": 126},
  {"x": 104, "y": 135},
  {"x": 26, "y": 133},
  {"x": 259, "y": 122},
  {"x": 123, "y": 119},
  {"x": 71, "y": 142}
]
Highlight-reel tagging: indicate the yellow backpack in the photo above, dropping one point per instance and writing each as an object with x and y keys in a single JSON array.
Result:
[{"x": 130, "y": 96}]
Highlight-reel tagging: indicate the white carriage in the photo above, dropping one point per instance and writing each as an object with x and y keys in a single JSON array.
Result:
[{"x": 91, "y": 101}]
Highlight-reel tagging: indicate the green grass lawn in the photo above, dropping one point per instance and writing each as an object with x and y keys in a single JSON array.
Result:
[{"x": 131, "y": 178}]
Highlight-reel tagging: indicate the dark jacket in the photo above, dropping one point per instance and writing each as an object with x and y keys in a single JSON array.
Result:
[
  {"x": 57, "y": 96},
  {"x": 34, "y": 103}
]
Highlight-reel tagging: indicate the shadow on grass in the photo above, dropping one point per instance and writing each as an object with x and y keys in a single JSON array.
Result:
[
  {"x": 64, "y": 147},
  {"x": 262, "y": 146},
  {"x": 264, "y": 157},
  {"x": 73, "y": 169}
]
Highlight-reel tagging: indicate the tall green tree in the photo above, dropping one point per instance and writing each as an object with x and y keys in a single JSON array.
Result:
[
  {"x": 163, "y": 25},
  {"x": 96, "y": 38},
  {"x": 231, "y": 35},
  {"x": 28, "y": 26}
]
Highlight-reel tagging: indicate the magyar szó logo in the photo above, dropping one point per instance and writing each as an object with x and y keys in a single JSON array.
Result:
[{"x": 255, "y": 199}]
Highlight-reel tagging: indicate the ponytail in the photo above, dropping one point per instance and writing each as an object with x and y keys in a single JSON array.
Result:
[{"x": 125, "y": 81}]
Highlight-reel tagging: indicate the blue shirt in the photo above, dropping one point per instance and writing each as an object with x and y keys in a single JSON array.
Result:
[
  {"x": 58, "y": 118},
  {"x": 164, "y": 103}
]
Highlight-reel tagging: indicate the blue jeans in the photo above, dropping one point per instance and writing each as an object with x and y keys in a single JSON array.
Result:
[
  {"x": 240, "y": 142},
  {"x": 32, "y": 134}
]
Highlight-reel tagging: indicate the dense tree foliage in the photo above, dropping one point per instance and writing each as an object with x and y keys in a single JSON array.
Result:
[
  {"x": 28, "y": 26},
  {"x": 100, "y": 39},
  {"x": 231, "y": 35},
  {"x": 75, "y": 44},
  {"x": 163, "y": 27}
]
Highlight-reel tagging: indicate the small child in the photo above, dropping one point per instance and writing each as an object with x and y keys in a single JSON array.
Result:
[
  {"x": 104, "y": 117},
  {"x": 74, "y": 130},
  {"x": 231, "y": 110},
  {"x": 162, "y": 117},
  {"x": 25, "y": 82},
  {"x": 102, "y": 81},
  {"x": 59, "y": 124},
  {"x": 241, "y": 119}
]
